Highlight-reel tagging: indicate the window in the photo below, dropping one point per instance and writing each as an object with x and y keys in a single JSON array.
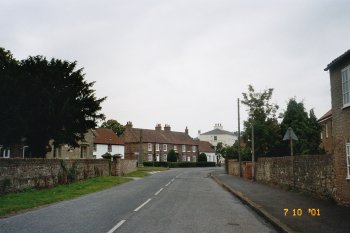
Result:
[
  {"x": 157, "y": 147},
  {"x": 193, "y": 148},
  {"x": 348, "y": 158},
  {"x": 194, "y": 159},
  {"x": 345, "y": 74},
  {"x": 326, "y": 128},
  {"x": 157, "y": 158},
  {"x": 109, "y": 148},
  {"x": 175, "y": 148},
  {"x": 165, "y": 147},
  {"x": 215, "y": 138},
  {"x": 184, "y": 158},
  {"x": 150, "y": 157},
  {"x": 183, "y": 148},
  {"x": 188, "y": 159},
  {"x": 164, "y": 158},
  {"x": 322, "y": 134},
  {"x": 6, "y": 153},
  {"x": 149, "y": 146}
]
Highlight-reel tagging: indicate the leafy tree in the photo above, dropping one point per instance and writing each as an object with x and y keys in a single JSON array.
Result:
[
  {"x": 202, "y": 157},
  {"x": 171, "y": 157},
  {"x": 305, "y": 127},
  {"x": 262, "y": 115},
  {"x": 113, "y": 125}
]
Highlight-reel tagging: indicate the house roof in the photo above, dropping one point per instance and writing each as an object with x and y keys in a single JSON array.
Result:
[
  {"x": 157, "y": 136},
  {"x": 326, "y": 116},
  {"x": 337, "y": 60},
  {"x": 106, "y": 136},
  {"x": 204, "y": 146},
  {"x": 218, "y": 131}
]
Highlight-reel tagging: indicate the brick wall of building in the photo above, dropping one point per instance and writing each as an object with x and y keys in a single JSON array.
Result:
[
  {"x": 327, "y": 136},
  {"x": 20, "y": 174},
  {"x": 341, "y": 127}
]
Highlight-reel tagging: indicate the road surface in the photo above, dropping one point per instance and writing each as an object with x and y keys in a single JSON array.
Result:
[{"x": 178, "y": 200}]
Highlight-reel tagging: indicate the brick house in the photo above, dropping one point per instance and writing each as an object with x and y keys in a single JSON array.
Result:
[
  {"x": 106, "y": 141},
  {"x": 339, "y": 72},
  {"x": 326, "y": 123},
  {"x": 154, "y": 145}
]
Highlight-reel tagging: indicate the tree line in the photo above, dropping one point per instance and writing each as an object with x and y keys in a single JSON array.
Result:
[
  {"x": 269, "y": 128},
  {"x": 45, "y": 100}
]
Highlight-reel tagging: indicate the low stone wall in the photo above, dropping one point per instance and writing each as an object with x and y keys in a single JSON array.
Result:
[
  {"x": 313, "y": 174},
  {"x": 20, "y": 174}
]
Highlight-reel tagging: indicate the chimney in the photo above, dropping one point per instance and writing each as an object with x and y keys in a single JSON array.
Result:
[
  {"x": 218, "y": 126},
  {"x": 158, "y": 127},
  {"x": 167, "y": 128},
  {"x": 128, "y": 125},
  {"x": 186, "y": 130},
  {"x": 199, "y": 132}
]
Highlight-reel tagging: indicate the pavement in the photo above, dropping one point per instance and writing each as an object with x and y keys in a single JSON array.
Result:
[{"x": 288, "y": 211}]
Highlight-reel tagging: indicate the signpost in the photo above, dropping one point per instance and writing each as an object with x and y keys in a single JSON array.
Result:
[{"x": 290, "y": 135}]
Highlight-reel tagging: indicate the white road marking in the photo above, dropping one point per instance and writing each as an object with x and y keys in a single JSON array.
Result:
[
  {"x": 116, "y": 226},
  {"x": 172, "y": 180},
  {"x": 168, "y": 183},
  {"x": 158, "y": 192},
  {"x": 138, "y": 208}
]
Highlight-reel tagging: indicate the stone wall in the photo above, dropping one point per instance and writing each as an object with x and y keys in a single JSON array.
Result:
[
  {"x": 20, "y": 174},
  {"x": 313, "y": 174}
]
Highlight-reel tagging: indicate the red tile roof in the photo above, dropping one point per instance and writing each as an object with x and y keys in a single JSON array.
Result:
[
  {"x": 106, "y": 136},
  {"x": 325, "y": 116},
  {"x": 204, "y": 146}
]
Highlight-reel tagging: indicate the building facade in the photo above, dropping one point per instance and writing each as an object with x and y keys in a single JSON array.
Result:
[
  {"x": 327, "y": 132},
  {"x": 218, "y": 134},
  {"x": 208, "y": 149},
  {"x": 339, "y": 72},
  {"x": 154, "y": 145},
  {"x": 106, "y": 141}
]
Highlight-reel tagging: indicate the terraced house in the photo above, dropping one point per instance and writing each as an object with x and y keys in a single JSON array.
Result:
[
  {"x": 154, "y": 145},
  {"x": 339, "y": 72}
]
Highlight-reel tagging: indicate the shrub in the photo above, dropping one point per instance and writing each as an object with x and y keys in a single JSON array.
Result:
[
  {"x": 202, "y": 157},
  {"x": 171, "y": 157},
  {"x": 155, "y": 164},
  {"x": 107, "y": 156}
]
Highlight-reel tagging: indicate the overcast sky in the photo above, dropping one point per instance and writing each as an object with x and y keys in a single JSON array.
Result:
[{"x": 185, "y": 62}]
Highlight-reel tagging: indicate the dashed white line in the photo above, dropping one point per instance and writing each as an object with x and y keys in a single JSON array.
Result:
[
  {"x": 168, "y": 183},
  {"x": 138, "y": 208},
  {"x": 158, "y": 192},
  {"x": 172, "y": 180},
  {"x": 116, "y": 226}
]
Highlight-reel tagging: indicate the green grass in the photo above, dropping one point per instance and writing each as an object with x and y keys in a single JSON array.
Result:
[
  {"x": 13, "y": 202},
  {"x": 152, "y": 168}
]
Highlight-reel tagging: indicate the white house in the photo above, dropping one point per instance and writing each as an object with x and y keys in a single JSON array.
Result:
[
  {"x": 218, "y": 135},
  {"x": 208, "y": 149},
  {"x": 105, "y": 140}
]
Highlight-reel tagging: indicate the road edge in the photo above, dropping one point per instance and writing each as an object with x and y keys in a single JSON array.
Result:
[{"x": 257, "y": 208}]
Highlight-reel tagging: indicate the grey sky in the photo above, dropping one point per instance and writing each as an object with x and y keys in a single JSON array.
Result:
[{"x": 185, "y": 63}]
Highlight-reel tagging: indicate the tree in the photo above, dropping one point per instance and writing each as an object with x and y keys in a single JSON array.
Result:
[
  {"x": 305, "y": 127},
  {"x": 262, "y": 116},
  {"x": 59, "y": 104},
  {"x": 113, "y": 125},
  {"x": 171, "y": 157},
  {"x": 202, "y": 157}
]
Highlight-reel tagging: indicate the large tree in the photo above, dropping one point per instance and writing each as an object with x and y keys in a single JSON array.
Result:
[
  {"x": 305, "y": 127},
  {"x": 262, "y": 116},
  {"x": 113, "y": 125}
]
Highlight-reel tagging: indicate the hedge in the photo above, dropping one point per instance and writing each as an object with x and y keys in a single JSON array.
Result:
[{"x": 179, "y": 164}]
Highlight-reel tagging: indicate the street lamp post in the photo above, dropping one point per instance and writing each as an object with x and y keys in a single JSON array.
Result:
[{"x": 24, "y": 149}]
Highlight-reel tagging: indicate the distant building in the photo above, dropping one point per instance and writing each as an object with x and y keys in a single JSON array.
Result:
[
  {"x": 106, "y": 141},
  {"x": 218, "y": 134},
  {"x": 327, "y": 132},
  {"x": 154, "y": 145},
  {"x": 208, "y": 149}
]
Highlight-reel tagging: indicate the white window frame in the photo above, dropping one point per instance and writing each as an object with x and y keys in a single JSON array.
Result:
[
  {"x": 322, "y": 134},
  {"x": 326, "y": 129},
  {"x": 183, "y": 158},
  {"x": 215, "y": 138},
  {"x": 194, "y": 159},
  {"x": 150, "y": 158},
  {"x": 188, "y": 158},
  {"x": 157, "y": 147},
  {"x": 183, "y": 148},
  {"x": 164, "y": 158},
  {"x": 345, "y": 76},
  {"x": 157, "y": 157},
  {"x": 109, "y": 148},
  {"x": 175, "y": 148},
  {"x": 165, "y": 147},
  {"x": 348, "y": 160},
  {"x": 194, "y": 149},
  {"x": 149, "y": 146},
  {"x": 6, "y": 153}
]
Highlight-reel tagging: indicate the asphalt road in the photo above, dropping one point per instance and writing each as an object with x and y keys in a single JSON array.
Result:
[{"x": 177, "y": 200}]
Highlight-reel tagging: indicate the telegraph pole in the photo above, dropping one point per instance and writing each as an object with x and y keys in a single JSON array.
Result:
[
  {"x": 239, "y": 140},
  {"x": 253, "y": 152}
]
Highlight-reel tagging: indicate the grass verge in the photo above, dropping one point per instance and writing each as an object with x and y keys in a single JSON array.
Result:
[
  {"x": 144, "y": 171},
  {"x": 13, "y": 202}
]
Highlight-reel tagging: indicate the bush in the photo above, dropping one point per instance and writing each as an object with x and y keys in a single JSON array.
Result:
[
  {"x": 171, "y": 157},
  {"x": 191, "y": 164},
  {"x": 107, "y": 156},
  {"x": 202, "y": 157},
  {"x": 155, "y": 164}
]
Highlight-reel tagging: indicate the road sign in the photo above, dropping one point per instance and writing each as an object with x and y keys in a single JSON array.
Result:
[{"x": 290, "y": 135}]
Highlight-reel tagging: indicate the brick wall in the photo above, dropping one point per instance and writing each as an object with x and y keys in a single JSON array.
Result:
[
  {"x": 312, "y": 173},
  {"x": 20, "y": 174}
]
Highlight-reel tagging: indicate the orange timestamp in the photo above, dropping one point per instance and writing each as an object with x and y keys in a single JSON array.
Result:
[{"x": 298, "y": 212}]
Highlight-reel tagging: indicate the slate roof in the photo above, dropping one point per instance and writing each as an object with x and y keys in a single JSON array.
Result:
[
  {"x": 325, "y": 116},
  {"x": 337, "y": 60},
  {"x": 217, "y": 132},
  {"x": 106, "y": 136},
  {"x": 204, "y": 146},
  {"x": 157, "y": 136}
]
